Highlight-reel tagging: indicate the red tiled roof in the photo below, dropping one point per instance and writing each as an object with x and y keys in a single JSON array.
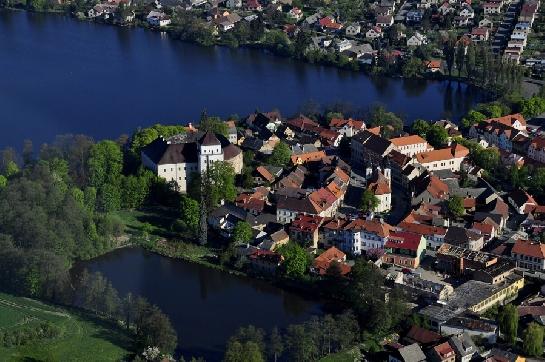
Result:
[
  {"x": 455, "y": 151},
  {"x": 306, "y": 223},
  {"x": 381, "y": 229},
  {"x": 422, "y": 229},
  {"x": 407, "y": 140},
  {"x": 422, "y": 335},
  {"x": 403, "y": 240},
  {"x": 529, "y": 248}
]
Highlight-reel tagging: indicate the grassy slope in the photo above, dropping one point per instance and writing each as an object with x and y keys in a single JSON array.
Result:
[
  {"x": 83, "y": 338},
  {"x": 347, "y": 355}
]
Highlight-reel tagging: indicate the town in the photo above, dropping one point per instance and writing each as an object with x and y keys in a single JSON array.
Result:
[
  {"x": 411, "y": 38},
  {"x": 424, "y": 215}
]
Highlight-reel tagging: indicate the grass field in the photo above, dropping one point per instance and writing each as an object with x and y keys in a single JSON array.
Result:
[
  {"x": 348, "y": 355},
  {"x": 83, "y": 338}
]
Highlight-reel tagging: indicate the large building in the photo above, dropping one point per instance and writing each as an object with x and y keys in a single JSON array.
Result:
[
  {"x": 443, "y": 159},
  {"x": 177, "y": 158}
]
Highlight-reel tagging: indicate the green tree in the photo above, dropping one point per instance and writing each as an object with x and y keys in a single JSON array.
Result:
[
  {"x": 280, "y": 155},
  {"x": 144, "y": 136},
  {"x": 190, "y": 213},
  {"x": 420, "y": 127},
  {"x": 472, "y": 117},
  {"x": 155, "y": 329},
  {"x": 3, "y": 182},
  {"x": 455, "y": 206},
  {"x": 508, "y": 320},
  {"x": 437, "y": 136},
  {"x": 449, "y": 51},
  {"x": 296, "y": 261},
  {"x": 460, "y": 58},
  {"x": 470, "y": 60},
  {"x": 391, "y": 123},
  {"x": 275, "y": 345},
  {"x": 105, "y": 164},
  {"x": 369, "y": 202},
  {"x": 213, "y": 124},
  {"x": 412, "y": 68},
  {"x": 243, "y": 352},
  {"x": 242, "y": 232},
  {"x": 532, "y": 340},
  {"x": 214, "y": 185},
  {"x": 300, "y": 344}
]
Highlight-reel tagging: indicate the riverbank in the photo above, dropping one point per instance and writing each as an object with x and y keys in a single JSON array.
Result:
[{"x": 338, "y": 62}]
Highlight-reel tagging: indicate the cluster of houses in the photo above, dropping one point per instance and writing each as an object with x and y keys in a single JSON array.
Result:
[
  {"x": 519, "y": 35},
  {"x": 437, "y": 259}
]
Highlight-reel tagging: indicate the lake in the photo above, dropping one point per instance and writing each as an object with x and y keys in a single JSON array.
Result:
[
  {"x": 59, "y": 75},
  {"x": 205, "y": 306}
]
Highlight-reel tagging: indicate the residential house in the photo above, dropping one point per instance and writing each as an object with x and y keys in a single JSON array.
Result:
[
  {"x": 467, "y": 12},
  {"x": 352, "y": 29},
  {"x": 429, "y": 189},
  {"x": 464, "y": 238},
  {"x": 158, "y": 18},
  {"x": 410, "y": 353},
  {"x": 329, "y": 24},
  {"x": 265, "y": 261},
  {"x": 368, "y": 147},
  {"x": 304, "y": 230},
  {"x": 374, "y": 33},
  {"x": 254, "y": 5},
  {"x": 346, "y": 127},
  {"x": 266, "y": 174},
  {"x": 384, "y": 21},
  {"x": 474, "y": 327},
  {"x": 464, "y": 347},
  {"x": 410, "y": 145},
  {"x": 268, "y": 120},
  {"x": 480, "y": 34},
  {"x": 450, "y": 158},
  {"x": 433, "y": 66},
  {"x": 404, "y": 249},
  {"x": 414, "y": 16},
  {"x": 295, "y": 13},
  {"x": 442, "y": 353},
  {"x": 323, "y": 262},
  {"x": 536, "y": 149},
  {"x": 529, "y": 254},
  {"x": 234, "y": 4},
  {"x": 522, "y": 201},
  {"x": 492, "y": 8},
  {"x": 364, "y": 236},
  {"x": 275, "y": 240},
  {"x": 379, "y": 183},
  {"x": 417, "y": 40},
  {"x": 486, "y": 23},
  {"x": 435, "y": 235}
]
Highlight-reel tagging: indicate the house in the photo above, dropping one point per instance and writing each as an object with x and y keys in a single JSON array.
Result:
[
  {"x": 474, "y": 327},
  {"x": 384, "y": 21},
  {"x": 322, "y": 263},
  {"x": 450, "y": 158},
  {"x": 267, "y": 174},
  {"x": 295, "y": 13},
  {"x": 365, "y": 236},
  {"x": 522, "y": 201},
  {"x": 352, "y": 29},
  {"x": 410, "y": 353},
  {"x": 178, "y": 158},
  {"x": 275, "y": 240},
  {"x": 479, "y": 34},
  {"x": 260, "y": 121},
  {"x": 404, "y": 249},
  {"x": 421, "y": 336},
  {"x": 254, "y": 5},
  {"x": 265, "y": 261},
  {"x": 492, "y": 8},
  {"x": 467, "y": 12},
  {"x": 234, "y": 4},
  {"x": 374, "y": 32},
  {"x": 369, "y": 147},
  {"x": 435, "y": 235},
  {"x": 442, "y": 353},
  {"x": 289, "y": 207},
  {"x": 227, "y": 21},
  {"x": 486, "y": 23},
  {"x": 414, "y": 16},
  {"x": 379, "y": 184},
  {"x": 464, "y": 347},
  {"x": 417, "y": 40},
  {"x": 304, "y": 230},
  {"x": 158, "y": 18},
  {"x": 433, "y": 66},
  {"x": 529, "y": 254},
  {"x": 410, "y": 145},
  {"x": 346, "y": 127},
  {"x": 498, "y": 355},
  {"x": 329, "y": 23},
  {"x": 224, "y": 219},
  {"x": 536, "y": 149},
  {"x": 428, "y": 189},
  {"x": 464, "y": 238},
  {"x": 342, "y": 44}
]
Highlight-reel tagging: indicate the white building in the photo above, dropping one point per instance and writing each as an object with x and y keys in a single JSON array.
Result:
[
  {"x": 411, "y": 145},
  {"x": 450, "y": 158},
  {"x": 176, "y": 159},
  {"x": 417, "y": 39},
  {"x": 364, "y": 235},
  {"x": 157, "y": 18}
]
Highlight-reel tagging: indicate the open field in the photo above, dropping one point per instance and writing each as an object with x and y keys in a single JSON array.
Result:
[{"x": 82, "y": 338}]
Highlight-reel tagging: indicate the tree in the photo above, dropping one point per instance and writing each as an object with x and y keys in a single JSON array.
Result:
[
  {"x": 275, "y": 345},
  {"x": 155, "y": 329},
  {"x": 449, "y": 50},
  {"x": 470, "y": 60},
  {"x": 105, "y": 164},
  {"x": 420, "y": 127},
  {"x": 214, "y": 185},
  {"x": 213, "y": 124},
  {"x": 508, "y": 320},
  {"x": 242, "y": 352},
  {"x": 144, "y": 136},
  {"x": 369, "y": 202},
  {"x": 437, "y": 136},
  {"x": 296, "y": 259},
  {"x": 3, "y": 182},
  {"x": 242, "y": 232},
  {"x": 472, "y": 117},
  {"x": 300, "y": 344},
  {"x": 280, "y": 155},
  {"x": 460, "y": 58},
  {"x": 532, "y": 340},
  {"x": 391, "y": 124},
  {"x": 412, "y": 68},
  {"x": 190, "y": 213},
  {"x": 455, "y": 206}
]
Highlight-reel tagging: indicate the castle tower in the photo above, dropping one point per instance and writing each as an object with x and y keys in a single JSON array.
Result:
[{"x": 210, "y": 151}]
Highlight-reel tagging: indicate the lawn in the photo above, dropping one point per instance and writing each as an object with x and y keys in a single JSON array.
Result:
[{"x": 83, "y": 338}]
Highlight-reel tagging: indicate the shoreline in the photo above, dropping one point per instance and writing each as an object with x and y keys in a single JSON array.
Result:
[{"x": 363, "y": 69}]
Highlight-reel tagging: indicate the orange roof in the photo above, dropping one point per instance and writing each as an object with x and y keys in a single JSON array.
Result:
[
  {"x": 483, "y": 228},
  {"x": 265, "y": 173},
  {"x": 433, "y": 64},
  {"x": 306, "y": 157},
  {"x": 382, "y": 229},
  {"x": 339, "y": 122},
  {"x": 380, "y": 187},
  {"x": 508, "y": 120},
  {"x": 437, "y": 187},
  {"x": 529, "y": 248},
  {"x": 331, "y": 254},
  {"x": 407, "y": 140},
  {"x": 456, "y": 151},
  {"x": 469, "y": 202},
  {"x": 374, "y": 130},
  {"x": 341, "y": 174},
  {"x": 324, "y": 260},
  {"x": 422, "y": 229}
]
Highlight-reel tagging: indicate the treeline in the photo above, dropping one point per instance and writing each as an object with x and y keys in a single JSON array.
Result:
[{"x": 309, "y": 341}]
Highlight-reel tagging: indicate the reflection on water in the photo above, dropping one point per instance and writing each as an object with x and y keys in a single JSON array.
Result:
[{"x": 206, "y": 306}]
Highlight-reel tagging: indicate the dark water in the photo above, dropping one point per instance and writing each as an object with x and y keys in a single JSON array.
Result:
[
  {"x": 205, "y": 306},
  {"x": 59, "y": 75}
]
